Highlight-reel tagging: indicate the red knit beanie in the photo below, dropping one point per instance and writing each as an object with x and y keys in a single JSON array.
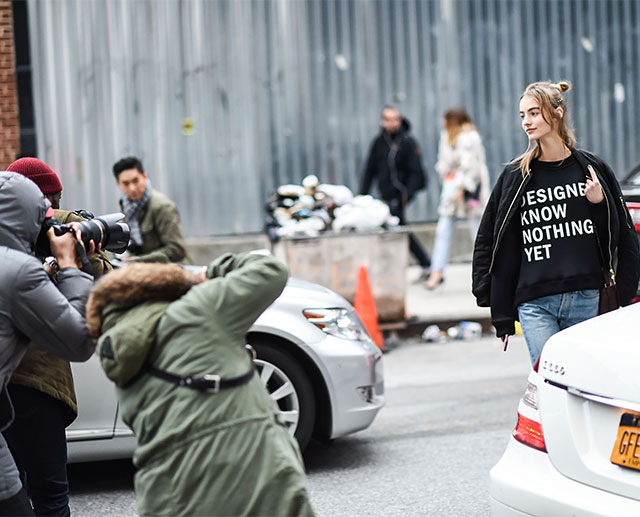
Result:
[{"x": 38, "y": 172}]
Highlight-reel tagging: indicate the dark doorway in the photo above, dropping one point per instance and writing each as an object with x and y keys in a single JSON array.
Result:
[{"x": 28, "y": 144}]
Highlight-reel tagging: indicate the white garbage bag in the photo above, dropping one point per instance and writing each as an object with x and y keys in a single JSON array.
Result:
[{"x": 364, "y": 213}]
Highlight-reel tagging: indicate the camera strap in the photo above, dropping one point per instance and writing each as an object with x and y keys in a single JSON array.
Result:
[
  {"x": 86, "y": 265},
  {"x": 209, "y": 383}
]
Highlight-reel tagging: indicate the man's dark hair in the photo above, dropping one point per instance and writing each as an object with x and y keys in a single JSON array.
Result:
[
  {"x": 126, "y": 163},
  {"x": 391, "y": 107}
]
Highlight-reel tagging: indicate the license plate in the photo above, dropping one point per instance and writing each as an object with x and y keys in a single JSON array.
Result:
[{"x": 626, "y": 451}]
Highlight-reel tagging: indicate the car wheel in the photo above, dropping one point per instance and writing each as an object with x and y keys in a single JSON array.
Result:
[{"x": 289, "y": 386}]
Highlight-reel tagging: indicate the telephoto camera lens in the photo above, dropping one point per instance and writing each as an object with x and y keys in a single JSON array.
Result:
[{"x": 107, "y": 230}]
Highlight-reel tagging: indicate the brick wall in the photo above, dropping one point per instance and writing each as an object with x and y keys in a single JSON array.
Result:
[{"x": 9, "y": 124}]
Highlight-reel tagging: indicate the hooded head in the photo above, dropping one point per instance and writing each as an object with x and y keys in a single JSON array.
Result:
[
  {"x": 134, "y": 285},
  {"x": 124, "y": 309},
  {"x": 23, "y": 208}
]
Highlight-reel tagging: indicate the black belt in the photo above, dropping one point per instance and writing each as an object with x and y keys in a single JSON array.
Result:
[{"x": 209, "y": 383}]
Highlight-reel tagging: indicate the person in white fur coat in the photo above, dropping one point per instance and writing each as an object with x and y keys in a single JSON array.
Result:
[{"x": 463, "y": 173}]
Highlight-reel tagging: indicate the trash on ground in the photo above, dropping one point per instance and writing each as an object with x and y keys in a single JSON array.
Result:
[
  {"x": 465, "y": 330},
  {"x": 432, "y": 334}
]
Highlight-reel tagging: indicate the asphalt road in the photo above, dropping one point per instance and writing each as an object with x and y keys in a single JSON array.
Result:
[{"x": 450, "y": 410}]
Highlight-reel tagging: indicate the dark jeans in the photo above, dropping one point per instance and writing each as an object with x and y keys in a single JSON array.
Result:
[
  {"x": 15, "y": 506},
  {"x": 38, "y": 443},
  {"x": 397, "y": 208}
]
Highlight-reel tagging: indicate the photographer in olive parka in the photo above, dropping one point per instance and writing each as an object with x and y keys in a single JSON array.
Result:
[
  {"x": 32, "y": 307},
  {"x": 210, "y": 439}
]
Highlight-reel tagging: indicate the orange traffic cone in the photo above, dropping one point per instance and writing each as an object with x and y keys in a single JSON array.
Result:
[{"x": 365, "y": 306}]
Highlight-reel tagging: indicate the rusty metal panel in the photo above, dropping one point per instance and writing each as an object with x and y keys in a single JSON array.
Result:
[
  {"x": 334, "y": 259},
  {"x": 223, "y": 100}
]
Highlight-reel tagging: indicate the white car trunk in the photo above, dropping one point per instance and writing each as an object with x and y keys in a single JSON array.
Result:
[{"x": 592, "y": 378}]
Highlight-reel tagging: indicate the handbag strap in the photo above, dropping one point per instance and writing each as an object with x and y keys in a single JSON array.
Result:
[{"x": 609, "y": 277}]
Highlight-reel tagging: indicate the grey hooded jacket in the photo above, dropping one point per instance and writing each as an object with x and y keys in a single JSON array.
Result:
[{"x": 32, "y": 307}]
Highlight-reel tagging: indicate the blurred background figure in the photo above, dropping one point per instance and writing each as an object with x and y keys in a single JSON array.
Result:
[
  {"x": 395, "y": 164},
  {"x": 152, "y": 217},
  {"x": 463, "y": 172}
]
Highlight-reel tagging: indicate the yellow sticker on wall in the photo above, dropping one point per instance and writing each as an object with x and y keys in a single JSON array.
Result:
[{"x": 187, "y": 126}]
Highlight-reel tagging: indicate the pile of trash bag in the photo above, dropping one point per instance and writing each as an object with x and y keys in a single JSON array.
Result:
[{"x": 309, "y": 209}]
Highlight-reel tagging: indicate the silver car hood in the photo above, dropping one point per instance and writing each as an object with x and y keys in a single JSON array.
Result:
[
  {"x": 311, "y": 295},
  {"x": 284, "y": 316},
  {"x": 599, "y": 356}
]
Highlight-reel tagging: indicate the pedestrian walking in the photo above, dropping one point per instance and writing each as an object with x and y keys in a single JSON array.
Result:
[
  {"x": 210, "y": 440},
  {"x": 395, "y": 164},
  {"x": 463, "y": 173},
  {"x": 552, "y": 229}
]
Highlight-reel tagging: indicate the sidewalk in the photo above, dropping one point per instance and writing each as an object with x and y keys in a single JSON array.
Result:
[{"x": 446, "y": 305}]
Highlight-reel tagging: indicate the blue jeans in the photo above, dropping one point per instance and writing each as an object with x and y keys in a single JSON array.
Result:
[
  {"x": 444, "y": 232},
  {"x": 543, "y": 317}
]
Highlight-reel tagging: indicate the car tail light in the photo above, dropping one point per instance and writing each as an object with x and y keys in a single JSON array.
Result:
[
  {"x": 529, "y": 432},
  {"x": 634, "y": 210}
]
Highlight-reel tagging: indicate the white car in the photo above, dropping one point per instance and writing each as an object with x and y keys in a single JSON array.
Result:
[
  {"x": 575, "y": 450},
  {"x": 313, "y": 354}
]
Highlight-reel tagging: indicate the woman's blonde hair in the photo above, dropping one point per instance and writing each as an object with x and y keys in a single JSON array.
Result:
[
  {"x": 456, "y": 121},
  {"x": 550, "y": 97}
]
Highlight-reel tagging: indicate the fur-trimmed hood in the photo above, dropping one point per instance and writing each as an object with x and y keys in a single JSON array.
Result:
[
  {"x": 135, "y": 284},
  {"x": 123, "y": 312}
]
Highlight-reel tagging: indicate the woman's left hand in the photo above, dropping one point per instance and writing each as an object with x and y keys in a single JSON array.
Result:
[
  {"x": 458, "y": 197},
  {"x": 593, "y": 190}
]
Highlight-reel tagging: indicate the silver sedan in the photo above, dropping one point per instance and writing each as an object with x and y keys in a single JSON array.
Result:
[{"x": 313, "y": 355}]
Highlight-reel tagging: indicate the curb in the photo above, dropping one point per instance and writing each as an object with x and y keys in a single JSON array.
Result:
[{"x": 414, "y": 327}]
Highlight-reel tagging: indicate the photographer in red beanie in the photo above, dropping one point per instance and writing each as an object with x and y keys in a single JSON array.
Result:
[{"x": 42, "y": 175}]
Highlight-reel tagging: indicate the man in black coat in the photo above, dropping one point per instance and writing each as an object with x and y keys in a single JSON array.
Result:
[{"x": 394, "y": 162}]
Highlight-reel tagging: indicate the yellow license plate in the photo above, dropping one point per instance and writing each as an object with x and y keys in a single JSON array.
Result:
[{"x": 626, "y": 451}]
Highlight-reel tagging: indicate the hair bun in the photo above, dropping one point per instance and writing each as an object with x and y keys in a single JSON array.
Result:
[{"x": 563, "y": 86}]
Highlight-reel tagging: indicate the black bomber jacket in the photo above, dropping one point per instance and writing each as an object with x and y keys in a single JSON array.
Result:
[{"x": 496, "y": 254}]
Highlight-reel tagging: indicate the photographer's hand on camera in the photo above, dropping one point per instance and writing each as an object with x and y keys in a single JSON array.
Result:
[{"x": 63, "y": 247}]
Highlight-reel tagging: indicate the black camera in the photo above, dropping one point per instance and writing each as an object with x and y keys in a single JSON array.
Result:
[{"x": 107, "y": 230}]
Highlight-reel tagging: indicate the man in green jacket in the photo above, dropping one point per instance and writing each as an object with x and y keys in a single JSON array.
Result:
[
  {"x": 152, "y": 217},
  {"x": 210, "y": 439}
]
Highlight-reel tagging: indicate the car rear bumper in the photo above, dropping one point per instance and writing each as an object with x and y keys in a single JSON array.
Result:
[
  {"x": 355, "y": 381},
  {"x": 525, "y": 482}
]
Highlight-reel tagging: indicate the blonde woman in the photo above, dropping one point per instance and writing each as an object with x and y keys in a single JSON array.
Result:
[
  {"x": 552, "y": 227},
  {"x": 465, "y": 185}
]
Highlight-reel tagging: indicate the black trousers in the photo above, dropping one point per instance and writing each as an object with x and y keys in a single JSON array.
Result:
[
  {"x": 38, "y": 443},
  {"x": 397, "y": 208}
]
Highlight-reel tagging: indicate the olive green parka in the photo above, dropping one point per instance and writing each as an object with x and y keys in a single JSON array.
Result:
[{"x": 199, "y": 453}]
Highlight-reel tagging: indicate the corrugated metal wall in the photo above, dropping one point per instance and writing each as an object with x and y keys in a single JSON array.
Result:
[{"x": 278, "y": 89}]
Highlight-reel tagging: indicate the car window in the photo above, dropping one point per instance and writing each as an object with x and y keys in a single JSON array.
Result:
[{"x": 633, "y": 178}]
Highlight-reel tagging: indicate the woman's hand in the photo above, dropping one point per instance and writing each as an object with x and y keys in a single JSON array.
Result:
[
  {"x": 593, "y": 190},
  {"x": 458, "y": 197}
]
